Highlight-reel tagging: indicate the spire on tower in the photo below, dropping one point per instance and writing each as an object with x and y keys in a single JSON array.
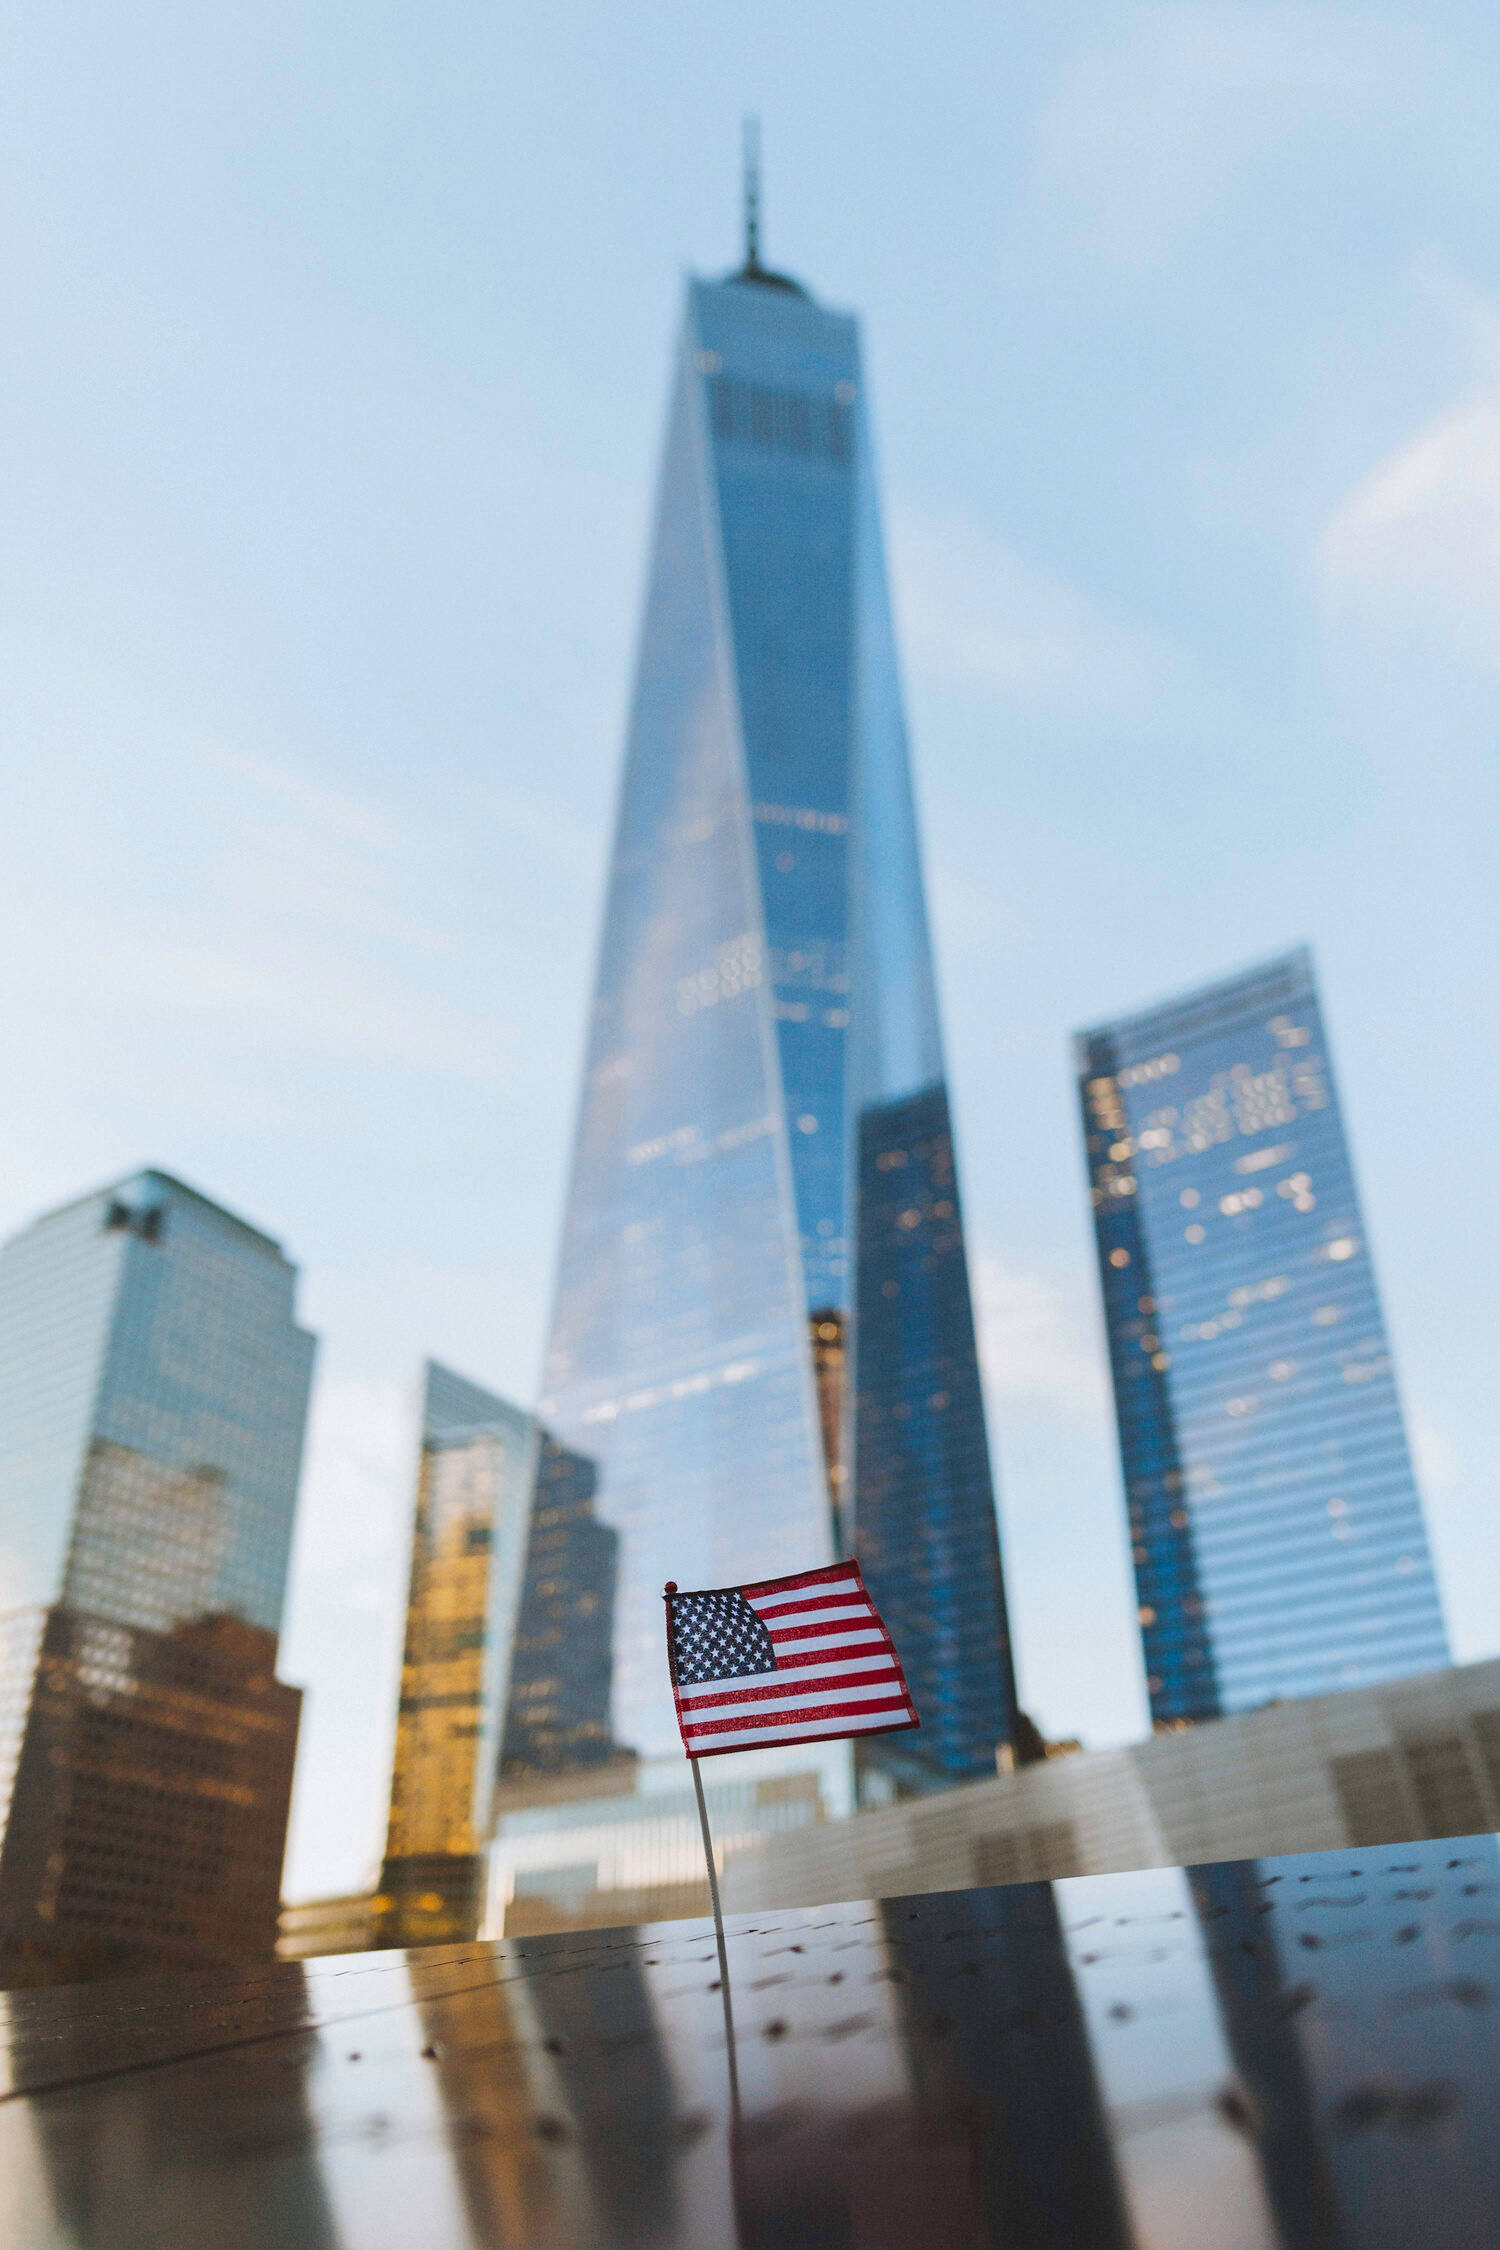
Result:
[
  {"x": 752, "y": 269},
  {"x": 752, "y": 194}
]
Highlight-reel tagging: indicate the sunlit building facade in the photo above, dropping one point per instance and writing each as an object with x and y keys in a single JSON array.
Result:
[
  {"x": 762, "y": 1338},
  {"x": 474, "y": 1476},
  {"x": 1277, "y": 1530},
  {"x": 153, "y": 1397}
]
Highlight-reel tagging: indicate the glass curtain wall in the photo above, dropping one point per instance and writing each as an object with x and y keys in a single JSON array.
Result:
[{"x": 1278, "y": 1536}]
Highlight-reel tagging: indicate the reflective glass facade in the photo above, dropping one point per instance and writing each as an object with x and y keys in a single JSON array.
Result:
[
  {"x": 468, "y": 1539},
  {"x": 153, "y": 1397},
  {"x": 765, "y": 985},
  {"x": 1277, "y": 1530}
]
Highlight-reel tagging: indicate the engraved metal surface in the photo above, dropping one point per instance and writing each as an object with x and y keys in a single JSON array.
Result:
[{"x": 1299, "y": 2052}]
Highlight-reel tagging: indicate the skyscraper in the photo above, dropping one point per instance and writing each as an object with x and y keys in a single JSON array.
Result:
[
  {"x": 762, "y": 1335},
  {"x": 1277, "y": 1530},
  {"x": 153, "y": 1396},
  {"x": 468, "y": 1539}
]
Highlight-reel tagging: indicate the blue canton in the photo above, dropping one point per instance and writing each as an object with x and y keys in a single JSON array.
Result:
[{"x": 718, "y": 1637}]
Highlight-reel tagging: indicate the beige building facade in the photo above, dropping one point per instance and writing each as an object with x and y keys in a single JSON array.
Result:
[{"x": 1414, "y": 1758}]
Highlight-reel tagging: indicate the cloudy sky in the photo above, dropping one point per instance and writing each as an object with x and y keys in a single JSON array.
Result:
[{"x": 334, "y": 364}]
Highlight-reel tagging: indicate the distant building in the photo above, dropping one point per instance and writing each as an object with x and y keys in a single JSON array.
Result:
[
  {"x": 153, "y": 1400},
  {"x": 316, "y": 1926},
  {"x": 1278, "y": 1536},
  {"x": 474, "y": 1479}
]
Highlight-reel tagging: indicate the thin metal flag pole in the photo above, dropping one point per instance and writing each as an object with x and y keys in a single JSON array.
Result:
[
  {"x": 713, "y": 1892},
  {"x": 713, "y": 1888}
]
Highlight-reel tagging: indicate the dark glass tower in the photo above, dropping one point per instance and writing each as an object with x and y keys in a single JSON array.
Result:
[
  {"x": 1277, "y": 1530},
  {"x": 762, "y": 1339}
]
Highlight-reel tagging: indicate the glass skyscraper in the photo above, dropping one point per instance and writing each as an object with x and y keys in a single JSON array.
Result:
[
  {"x": 474, "y": 1477},
  {"x": 1277, "y": 1530},
  {"x": 153, "y": 1397},
  {"x": 762, "y": 1340}
]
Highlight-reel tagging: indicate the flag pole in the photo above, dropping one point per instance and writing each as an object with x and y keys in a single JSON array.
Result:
[{"x": 713, "y": 1891}]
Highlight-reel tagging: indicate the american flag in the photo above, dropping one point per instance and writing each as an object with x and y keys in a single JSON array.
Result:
[{"x": 800, "y": 1659}]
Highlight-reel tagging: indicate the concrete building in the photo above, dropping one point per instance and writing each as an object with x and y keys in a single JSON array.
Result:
[{"x": 1409, "y": 1759}]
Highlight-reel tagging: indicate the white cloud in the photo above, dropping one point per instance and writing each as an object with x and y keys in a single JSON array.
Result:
[
  {"x": 330, "y": 808},
  {"x": 1151, "y": 131},
  {"x": 1414, "y": 551},
  {"x": 977, "y": 617},
  {"x": 355, "y": 1486},
  {"x": 1037, "y": 1341}
]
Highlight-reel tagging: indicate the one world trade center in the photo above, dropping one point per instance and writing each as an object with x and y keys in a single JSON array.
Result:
[{"x": 762, "y": 1350}]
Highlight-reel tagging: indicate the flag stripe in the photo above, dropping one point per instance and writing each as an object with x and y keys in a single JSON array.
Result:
[
  {"x": 842, "y": 1635},
  {"x": 805, "y": 1730},
  {"x": 856, "y": 1684},
  {"x": 737, "y": 1722},
  {"x": 836, "y": 1575},
  {"x": 825, "y": 1599},
  {"x": 802, "y": 1671}
]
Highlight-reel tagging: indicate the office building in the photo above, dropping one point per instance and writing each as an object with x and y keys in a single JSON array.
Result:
[
  {"x": 153, "y": 1398},
  {"x": 1277, "y": 1530},
  {"x": 762, "y": 1337},
  {"x": 474, "y": 1476}
]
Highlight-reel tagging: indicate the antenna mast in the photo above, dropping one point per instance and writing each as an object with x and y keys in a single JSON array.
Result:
[{"x": 752, "y": 194}]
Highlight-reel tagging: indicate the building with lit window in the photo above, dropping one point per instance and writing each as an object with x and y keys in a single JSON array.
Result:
[
  {"x": 474, "y": 1478},
  {"x": 762, "y": 1339},
  {"x": 153, "y": 1398},
  {"x": 1277, "y": 1530}
]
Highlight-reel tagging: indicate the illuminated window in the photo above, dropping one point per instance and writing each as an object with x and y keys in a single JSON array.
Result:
[
  {"x": 1119, "y": 1257},
  {"x": 1193, "y": 1233}
]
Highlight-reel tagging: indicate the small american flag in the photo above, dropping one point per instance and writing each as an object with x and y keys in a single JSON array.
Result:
[{"x": 800, "y": 1659}]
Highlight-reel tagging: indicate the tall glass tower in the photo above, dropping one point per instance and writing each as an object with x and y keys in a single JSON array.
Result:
[
  {"x": 1277, "y": 1530},
  {"x": 153, "y": 1397},
  {"x": 762, "y": 1339}
]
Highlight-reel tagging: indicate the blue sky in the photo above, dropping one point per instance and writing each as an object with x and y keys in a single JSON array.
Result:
[{"x": 333, "y": 377}]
